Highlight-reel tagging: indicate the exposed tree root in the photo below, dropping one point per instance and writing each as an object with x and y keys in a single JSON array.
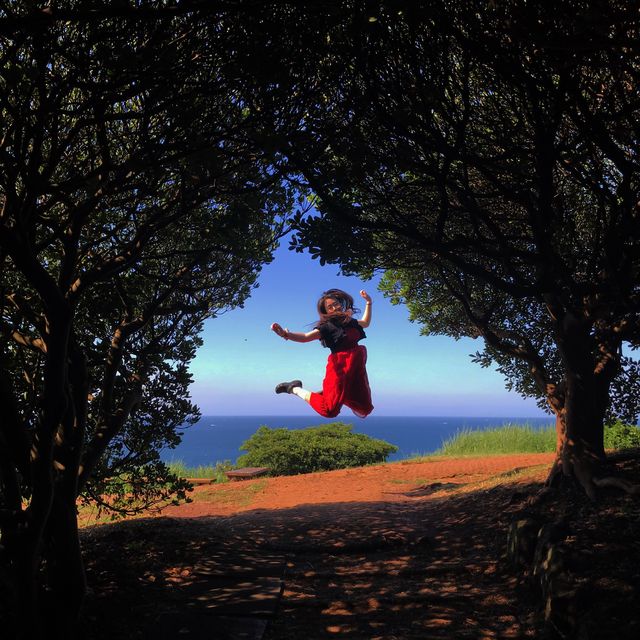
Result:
[
  {"x": 580, "y": 474},
  {"x": 618, "y": 483},
  {"x": 584, "y": 473},
  {"x": 573, "y": 470},
  {"x": 624, "y": 454},
  {"x": 555, "y": 473}
]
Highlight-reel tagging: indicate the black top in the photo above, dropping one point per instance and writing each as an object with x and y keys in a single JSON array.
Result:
[{"x": 340, "y": 337}]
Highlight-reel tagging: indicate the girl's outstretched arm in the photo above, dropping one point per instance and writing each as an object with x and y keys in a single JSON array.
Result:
[
  {"x": 296, "y": 337},
  {"x": 365, "y": 321}
]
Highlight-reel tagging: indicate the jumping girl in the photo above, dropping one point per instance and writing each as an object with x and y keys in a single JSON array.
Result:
[{"x": 345, "y": 381}]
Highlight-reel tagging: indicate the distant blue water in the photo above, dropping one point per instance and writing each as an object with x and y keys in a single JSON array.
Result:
[{"x": 217, "y": 438}]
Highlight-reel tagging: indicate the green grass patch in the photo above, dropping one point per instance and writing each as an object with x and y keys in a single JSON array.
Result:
[
  {"x": 510, "y": 438},
  {"x": 214, "y": 472},
  {"x": 523, "y": 438}
]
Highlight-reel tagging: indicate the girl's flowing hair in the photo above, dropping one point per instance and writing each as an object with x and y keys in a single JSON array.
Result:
[{"x": 344, "y": 299}]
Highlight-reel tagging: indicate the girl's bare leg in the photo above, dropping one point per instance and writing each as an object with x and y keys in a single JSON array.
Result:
[{"x": 301, "y": 393}]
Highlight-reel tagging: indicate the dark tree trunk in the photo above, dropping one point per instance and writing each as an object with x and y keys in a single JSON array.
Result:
[
  {"x": 580, "y": 423},
  {"x": 63, "y": 557},
  {"x": 25, "y": 564},
  {"x": 66, "y": 583},
  {"x": 584, "y": 414},
  {"x": 31, "y": 544},
  {"x": 579, "y": 434}
]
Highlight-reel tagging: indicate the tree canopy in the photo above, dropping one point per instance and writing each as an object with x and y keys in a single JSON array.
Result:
[
  {"x": 484, "y": 154},
  {"x": 133, "y": 206},
  {"x": 487, "y": 153}
]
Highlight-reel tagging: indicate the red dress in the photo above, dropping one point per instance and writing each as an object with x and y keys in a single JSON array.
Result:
[{"x": 345, "y": 381}]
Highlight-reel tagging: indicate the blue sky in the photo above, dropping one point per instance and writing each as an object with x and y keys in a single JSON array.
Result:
[{"x": 242, "y": 360}]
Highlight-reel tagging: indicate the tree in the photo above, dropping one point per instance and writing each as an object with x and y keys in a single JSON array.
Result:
[
  {"x": 488, "y": 152},
  {"x": 133, "y": 206},
  {"x": 517, "y": 335}
]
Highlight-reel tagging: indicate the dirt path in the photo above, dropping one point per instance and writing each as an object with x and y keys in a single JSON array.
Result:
[
  {"x": 398, "y": 551},
  {"x": 388, "y": 483}
]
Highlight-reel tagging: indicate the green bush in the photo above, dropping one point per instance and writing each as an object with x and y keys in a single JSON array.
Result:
[
  {"x": 621, "y": 436},
  {"x": 321, "y": 448}
]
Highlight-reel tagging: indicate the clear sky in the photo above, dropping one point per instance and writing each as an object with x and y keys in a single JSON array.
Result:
[{"x": 242, "y": 360}]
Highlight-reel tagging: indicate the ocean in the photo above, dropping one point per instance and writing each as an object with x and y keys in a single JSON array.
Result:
[{"x": 217, "y": 438}]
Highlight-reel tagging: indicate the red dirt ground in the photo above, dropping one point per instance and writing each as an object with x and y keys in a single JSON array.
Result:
[
  {"x": 380, "y": 483},
  {"x": 401, "y": 551}
]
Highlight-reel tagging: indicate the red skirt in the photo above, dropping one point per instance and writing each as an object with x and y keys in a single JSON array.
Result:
[{"x": 345, "y": 383}]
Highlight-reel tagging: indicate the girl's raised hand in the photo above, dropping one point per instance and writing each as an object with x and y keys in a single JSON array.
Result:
[
  {"x": 276, "y": 328},
  {"x": 365, "y": 295}
]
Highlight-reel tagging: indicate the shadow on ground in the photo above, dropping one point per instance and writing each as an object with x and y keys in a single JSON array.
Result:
[
  {"x": 428, "y": 567},
  {"x": 361, "y": 570}
]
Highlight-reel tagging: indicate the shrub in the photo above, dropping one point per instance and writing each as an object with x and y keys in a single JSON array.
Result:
[
  {"x": 320, "y": 448},
  {"x": 621, "y": 436}
]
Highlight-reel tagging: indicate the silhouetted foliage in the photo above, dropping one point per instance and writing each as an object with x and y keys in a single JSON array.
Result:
[
  {"x": 486, "y": 155},
  {"x": 133, "y": 206}
]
